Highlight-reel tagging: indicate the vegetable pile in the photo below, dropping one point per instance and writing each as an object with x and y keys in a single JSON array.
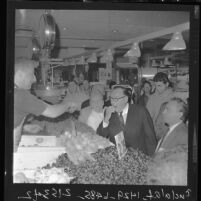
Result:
[
  {"x": 107, "y": 168},
  {"x": 79, "y": 146}
]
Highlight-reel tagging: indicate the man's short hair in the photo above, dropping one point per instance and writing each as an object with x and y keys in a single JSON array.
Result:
[
  {"x": 161, "y": 77},
  {"x": 183, "y": 107},
  {"x": 127, "y": 91},
  {"x": 146, "y": 82}
]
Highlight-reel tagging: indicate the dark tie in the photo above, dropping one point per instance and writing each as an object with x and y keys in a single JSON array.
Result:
[{"x": 121, "y": 119}]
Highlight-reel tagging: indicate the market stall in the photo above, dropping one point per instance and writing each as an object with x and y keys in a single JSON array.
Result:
[{"x": 81, "y": 155}]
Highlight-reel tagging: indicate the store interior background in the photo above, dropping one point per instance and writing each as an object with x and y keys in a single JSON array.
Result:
[{"x": 80, "y": 33}]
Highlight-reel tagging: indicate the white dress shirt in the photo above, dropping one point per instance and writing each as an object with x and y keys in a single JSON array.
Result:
[{"x": 158, "y": 148}]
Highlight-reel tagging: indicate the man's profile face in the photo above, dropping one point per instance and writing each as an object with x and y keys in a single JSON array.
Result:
[
  {"x": 118, "y": 99},
  {"x": 29, "y": 78},
  {"x": 171, "y": 113}
]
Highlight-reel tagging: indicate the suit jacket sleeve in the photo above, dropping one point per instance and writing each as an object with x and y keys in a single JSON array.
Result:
[
  {"x": 150, "y": 136},
  {"x": 104, "y": 132}
]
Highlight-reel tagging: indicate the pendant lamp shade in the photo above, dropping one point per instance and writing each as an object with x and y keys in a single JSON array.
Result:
[
  {"x": 134, "y": 51},
  {"x": 81, "y": 61},
  {"x": 92, "y": 59},
  {"x": 107, "y": 56},
  {"x": 66, "y": 62},
  {"x": 176, "y": 43},
  {"x": 72, "y": 62}
]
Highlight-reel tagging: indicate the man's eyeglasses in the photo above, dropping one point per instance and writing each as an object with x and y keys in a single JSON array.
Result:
[{"x": 116, "y": 99}]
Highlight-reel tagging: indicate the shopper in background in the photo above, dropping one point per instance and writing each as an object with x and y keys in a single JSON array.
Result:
[
  {"x": 97, "y": 88},
  {"x": 74, "y": 95},
  {"x": 85, "y": 87},
  {"x": 162, "y": 94},
  {"x": 146, "y": 90}
]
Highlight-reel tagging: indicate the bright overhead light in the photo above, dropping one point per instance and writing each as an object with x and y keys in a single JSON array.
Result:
[
  {"x": 134, "y": 51},
  {"x": 115, "y": 31},
  {"x": 176, "y": 43}
]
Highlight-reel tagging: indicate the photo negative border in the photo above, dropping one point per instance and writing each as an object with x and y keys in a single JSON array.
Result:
[{"x": 109, "y": 192}]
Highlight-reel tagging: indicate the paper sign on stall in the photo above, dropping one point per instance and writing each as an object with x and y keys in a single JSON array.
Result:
[{"x": 120, "y": 144}]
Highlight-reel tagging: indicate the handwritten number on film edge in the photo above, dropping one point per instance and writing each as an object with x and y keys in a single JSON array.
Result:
[{"x": 47, "y": 195}]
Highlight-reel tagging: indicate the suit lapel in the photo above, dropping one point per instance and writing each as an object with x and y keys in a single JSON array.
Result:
[{"x": 171, "y": 135}]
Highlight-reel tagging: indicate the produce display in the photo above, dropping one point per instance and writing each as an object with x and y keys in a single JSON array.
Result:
[
  {"x": 80, "y": 145},
  {"x": 107, "y": 168}
]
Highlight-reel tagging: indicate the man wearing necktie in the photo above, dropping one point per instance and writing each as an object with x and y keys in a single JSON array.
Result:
[
  {"x": 174, "y": 115},
  {"x": 133, "y": 120}
]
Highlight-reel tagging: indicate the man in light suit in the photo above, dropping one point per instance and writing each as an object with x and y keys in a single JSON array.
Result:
[
  {"x": 134, "y": 120},
  {"x": 174, "y": 115}
]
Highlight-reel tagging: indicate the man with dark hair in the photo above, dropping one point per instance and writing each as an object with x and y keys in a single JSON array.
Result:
[
  {"x": 133, "y": 120},
  {"x": 174, "y": 115},
  {"x": 162, "y": 94},
  {"x": 146, "y": 88}
]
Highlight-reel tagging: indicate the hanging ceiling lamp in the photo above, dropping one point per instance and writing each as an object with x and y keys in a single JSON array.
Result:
[
  {"x": 81, "y": 61},
  {"x": 66, "y": 62},
  {"x": 176, "y": 43},
  {"x": 72, "y": 62},
  {"x": 134, "y": 51},
  {"x": 107, "y": 56},
  {"x": 92, "y": 59}
]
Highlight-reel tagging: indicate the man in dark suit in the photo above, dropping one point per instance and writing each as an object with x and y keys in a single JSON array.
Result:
[
  {"x": 174, "y": 115},
  {"x": 133, "y": 120}
]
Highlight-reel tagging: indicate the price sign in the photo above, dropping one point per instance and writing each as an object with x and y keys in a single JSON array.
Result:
[{"x": 120, "y": 144}]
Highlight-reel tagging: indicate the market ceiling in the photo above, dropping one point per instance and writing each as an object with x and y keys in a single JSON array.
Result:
[{"x": 92, "y": 30}]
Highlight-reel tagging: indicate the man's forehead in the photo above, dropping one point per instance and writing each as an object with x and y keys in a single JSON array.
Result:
[
  {"x": 117, "y": 91},
  {"x": 172, "y": 104}
]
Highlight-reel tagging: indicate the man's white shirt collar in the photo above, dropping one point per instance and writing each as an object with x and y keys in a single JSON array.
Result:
[{"x": 125, "y": 110}]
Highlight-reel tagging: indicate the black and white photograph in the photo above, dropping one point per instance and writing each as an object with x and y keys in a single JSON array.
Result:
[{"x": 82, "y": 76}]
